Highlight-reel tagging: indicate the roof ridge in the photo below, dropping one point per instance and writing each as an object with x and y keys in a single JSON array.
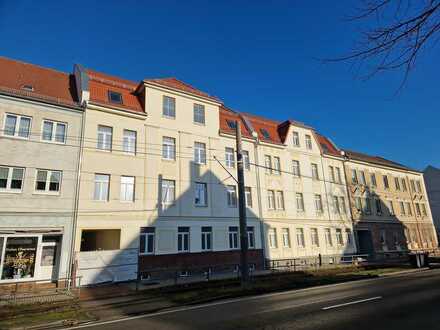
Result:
[{"x": 35, "y": 65}]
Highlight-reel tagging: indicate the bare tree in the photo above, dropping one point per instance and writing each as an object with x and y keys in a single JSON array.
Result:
[{"x": 395, "y": 33}]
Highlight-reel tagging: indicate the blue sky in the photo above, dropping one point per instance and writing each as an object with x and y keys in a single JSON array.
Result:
[{"x": 257, "y": 56}]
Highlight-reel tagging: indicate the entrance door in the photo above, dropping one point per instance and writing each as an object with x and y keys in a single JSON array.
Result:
[
  {"x": 365, "y": 242},
  {"x": 50, "y": 251}
]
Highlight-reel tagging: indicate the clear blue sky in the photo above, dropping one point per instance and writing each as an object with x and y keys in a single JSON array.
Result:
[{"x": 257, "y": 57}]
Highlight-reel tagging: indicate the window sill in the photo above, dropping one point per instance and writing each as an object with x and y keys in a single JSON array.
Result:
[
  {"x": 201, "y": 206},
  {"x": 9, "y": 191},
  {"x": 46, "y": 193},
  {"x": 169, "y": 160},
  {"x": 13, "y": 137},
  {"x": 146, "y": 254},
  {"x": 53, "y": 142},
  {"x": 169, "y": 117},
  {"x": 199, "y": 124}
]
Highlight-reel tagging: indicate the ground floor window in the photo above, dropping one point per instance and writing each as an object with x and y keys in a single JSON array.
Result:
[
  {"x": 100, "y": 239},
  {"x": 146, "y": 244},
  {"x": 19, "y": 256}
]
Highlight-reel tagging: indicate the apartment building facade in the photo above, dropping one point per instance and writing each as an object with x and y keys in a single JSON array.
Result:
[
  {"x": 40, "y": 122},
  {"x": 431, "y": 176},
  {"x": 391, "y": 212}
]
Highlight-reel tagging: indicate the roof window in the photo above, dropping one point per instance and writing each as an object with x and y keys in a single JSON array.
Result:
[
  {"x": 265, "y": 133},
  {"x": 115, "y": 97},
  {"x": 28, "y": 88},
  {"x": 231, "y": 123}
]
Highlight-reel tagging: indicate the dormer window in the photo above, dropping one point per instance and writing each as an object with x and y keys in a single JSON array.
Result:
[
  {"x": 115, "y": 97},
  {"x": 265, "y": 133},
  {"x": 28, "y": 88},
  {"x": 232, "y": 124}
]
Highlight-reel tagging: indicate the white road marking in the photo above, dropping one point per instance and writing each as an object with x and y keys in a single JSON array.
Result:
[{"x": 352, "y": 303}]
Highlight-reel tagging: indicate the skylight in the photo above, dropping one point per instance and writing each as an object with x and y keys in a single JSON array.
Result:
[
  {"x": 29, "y": 88},
  {"x": 115, "y": 97},
  {"x": 265, "y": 133},
  {"x": 231, "y": 123}
]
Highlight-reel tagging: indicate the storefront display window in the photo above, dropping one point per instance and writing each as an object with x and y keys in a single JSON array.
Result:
[{"x": 19, "y": 257}]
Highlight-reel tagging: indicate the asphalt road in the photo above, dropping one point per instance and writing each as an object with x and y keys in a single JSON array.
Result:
[{"x": 410, "y": 301}]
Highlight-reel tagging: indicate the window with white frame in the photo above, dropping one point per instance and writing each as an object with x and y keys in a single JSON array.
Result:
[
  {"x": 424, "y": 212},
  {"x": 54, "y": 131},
  {"x": 199, "y": 113},
  {"x": 331, "y": 172},
  {"x": 102, "y": 183},
  {"x": 402, "y": 208},
  {"x": 231, "y": 194},
  {"x": 48, "y": 181},
  {"x": 314, "y": 236},
  {"x": 272, "y": 236},
  {"x": 268, "y": 163},
  {"x": 168, "y": 148},
  {"x": 169, "y": 106},
  {"x": 342, "y": 205},
  {"x": 378, "y": 206},
  {"x": 206, "y": 238},
  {"x": 391, "y": 207},
  {"x": 229, "y": 157},
  {"x": 339, "y": 238},
  {"x": 338, "y": 174},
  {"x": 279, "y": 200},
  {"x": 300, "y": 237},
  {"x": 404, "y": 187},
  {"x": 362, "y": 178},
  {"x": 246, "y": 160},
  {"x": 147, "y": 240},
  {"x": 296, "y": 170},
  {"x": 11, "y": 178},
  {"x": 373, "y": 180},
  {"x": 354, "y": 178},
  {"x": 413, "y": 186},
  {"x": 318, "y": 203},
  {"x": 199, "y": 153},
  {"x": 251, "y": 237},
  {"x": 201, "y": 194},
  {"x": 349, "y": 237},
  {"x": 295, "y": 139},
  {"x": 271, "y": 200},
  {"x": 315, "y": 173},
  {"x": 248, "y": 196},
  {"x": 129, "y": 141},
  {"x": 276, "y": 165},
  {"x": 299, "y": 202},
  {"x": 183, "y": 239},
  {"x": 127, "y": 188},
  {"x": 328, "y": 237},
  {"x": 285, "y": 234},
  {"x": 168, "y": 192},
  {"x": 336, "y": 207},
  {"x": 233, "y": 237},
  {"x": 418, "y": 209},
  {"x": 419, "y": 186},
  {"x": 308, "y": 142},
  {"x": 105, "y": 135},
  {"x": 397, "y": 183},
  {"x": 409, "y": 208},
  {"x": 17, "y": 125},
  {"x": 385, "y": 182}
]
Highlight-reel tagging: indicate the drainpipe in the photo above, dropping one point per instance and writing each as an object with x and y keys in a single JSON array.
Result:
[{"x": 260, "y": 208}]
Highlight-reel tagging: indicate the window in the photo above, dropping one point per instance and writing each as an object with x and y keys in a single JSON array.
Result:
[
  {"x": 300, "y": 237},
  {"x": 206, "y": 238},
  {"x": 272, "y": 238},
  {"x": 286, "y": 237},
  {"x": 127, "y": 188},
  {"x": 378, "y": 206},
  {"x": 231, "y": 196},
  {"x": 385, "y": 182},
  {"x": 366, "y": 206},
  {"x": 18, "y": 126},
  {"x": 404, "y": 188},
  {"x": 295, "y": 137},
  {"x": 183, "y": 239},
  {"x": 114, "y": 97},
  {"x": 373, "y": 180},
  {"x": 331, "y": 172},
  {"x": 271, "y": 200},
  {"x": 233, "y": 237},
  {"x": 409, "y": 208},
  {"x": 232, "y": 124},
  {"x": 383, "y": 237},
  {"x": 105, "y": 134},
  {"x": 169, "y": 106},
  {"x": 354, "y": 178},
  {"x": 48, "y": 181},
  {"x": 309, "y": 142},
  {"x": 418, "y": 209},
  {"x": 413, "y": 186},
  {"x": 424, "y": 212},
  {"x": 11, "y": 178},
  {"x": 248, "y": 196},
  {"x": 54, "y": 131},
  {"x": 265, "y": 133},
  {"x": 129, "y": 141},
  {"x": 299, "y": 202},
  {"x": 396, "y": 239},
  {"x": 349, "y": 237},
  {"x": 402, "y": 208},
  {"x": 279, "y": 200},
  {"x": 199, "y": 113},
  {"x": 146, "y": 244},
  {"x": 251, "y": 237},
  {"x": 338, "y": 174},
  {"x": 168, "y": 192},
  {"x": 229, "y": 157},
  {"x": 277, "y": 165},
  {"x": 315, "y": 173},
  {"x": 328, "y": 237},
  {"x": 199, "y": 153},
  {"x": 201, "y": 194},
  {"x": 397, "y": 183},
  {"x": 102, "y": 182},
  {"x": 391, "y": 207},
  {"x": 318, "y": 203},
  {"x": 358, "y": 203},
  {"x": 168, "y": 148},
  {"x": 342, "y": 205},
  {"x": 268, "y": 163},
  {"x": 419, "y": 186},
  {"x": 336, "y": 204},
  {"x": 363, "y": 181},
  {"x": 339, "y": 238},
  {"x": 314, "y": 236},
  {"x": 296, "y": 169},
  {"x": 246, "y": 160}
]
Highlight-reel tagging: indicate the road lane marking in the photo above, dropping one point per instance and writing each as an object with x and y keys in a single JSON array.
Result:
[{"x": 352, "y": 303}]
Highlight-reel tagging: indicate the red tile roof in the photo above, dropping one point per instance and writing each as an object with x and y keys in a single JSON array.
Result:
[
  {"x": 226, "y": 115},
  {"x": 327, "y": 146},
  {"x": 375, "y": 160},
  {"x": 271, "y": 126},
  {"x": 182, "y": 86},
  {"x": 100, "y": 84},
  {"x": 48, "y": 85}
]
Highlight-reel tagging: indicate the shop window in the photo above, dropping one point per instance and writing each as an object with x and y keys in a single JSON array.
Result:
[
  {"x": 19, "y": 258},
  {"x": 102, "y": 239}
]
